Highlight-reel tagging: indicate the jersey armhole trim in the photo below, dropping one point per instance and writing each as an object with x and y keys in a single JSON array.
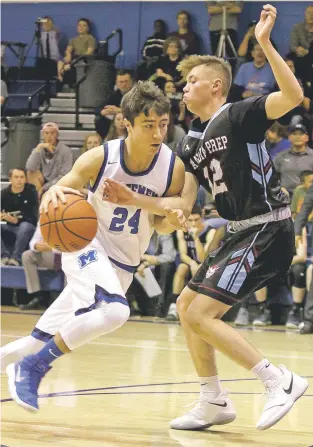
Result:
[
  {"x": 101, "y": 171},
  {"x": 170, "y": 173}
]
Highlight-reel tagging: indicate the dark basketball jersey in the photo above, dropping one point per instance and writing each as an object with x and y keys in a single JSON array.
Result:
[
  {"x": 191, "y": 246},
  {"x": 227, "y": 154}
]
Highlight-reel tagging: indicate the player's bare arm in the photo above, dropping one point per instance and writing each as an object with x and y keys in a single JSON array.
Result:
[
  {"x": 290, "y": 94},
  {"x": 85, "y": 170}
]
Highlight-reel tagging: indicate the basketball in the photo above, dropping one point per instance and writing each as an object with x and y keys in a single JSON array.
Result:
[{"x": 71, "y": 226}]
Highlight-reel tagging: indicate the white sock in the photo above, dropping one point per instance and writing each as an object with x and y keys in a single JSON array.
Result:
[
  {"x": 264, "y": 371},
  {"x": 16, "y": 350},
  {"x": 210, "y": 387},
  {"x": 86, "y": 327}
]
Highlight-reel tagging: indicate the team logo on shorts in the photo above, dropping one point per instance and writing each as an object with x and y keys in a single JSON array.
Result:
[
  {"x": 87, "y": 258},
  {"x": 211, "y": 271}
]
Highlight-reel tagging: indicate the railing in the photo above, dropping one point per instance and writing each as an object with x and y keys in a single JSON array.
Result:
[
  {"x": 104, "y": 44},
  {"x": 5, "y": 129},
  {"x": 76, "y": 87},
  {"x": 31, "y": 96}
]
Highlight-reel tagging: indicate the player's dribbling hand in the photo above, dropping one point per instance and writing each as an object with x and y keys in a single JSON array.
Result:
[
  {"x": 116, "y": 192},
  {"x": 265, "y": 25},
  {"x": 176, "y": 218},
  {"x": 54, "y": 194}
]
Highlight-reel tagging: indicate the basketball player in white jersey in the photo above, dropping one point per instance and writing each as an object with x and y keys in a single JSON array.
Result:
[{"x": 93, "y": 303}]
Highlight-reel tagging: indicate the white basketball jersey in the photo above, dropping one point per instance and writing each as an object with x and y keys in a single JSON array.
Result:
[{"x": 125, "y": 231}]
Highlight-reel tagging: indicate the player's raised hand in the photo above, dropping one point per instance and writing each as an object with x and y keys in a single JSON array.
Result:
[
  {"x": 54, "y": 194},
  {"x": 176, "y": 218},
  {"x": 116, "y": 192},
  {"x": 265, "y": 25}
]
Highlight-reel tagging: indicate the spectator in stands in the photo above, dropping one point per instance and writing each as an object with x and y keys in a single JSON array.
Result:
[
  {"x": 300, "y": 222},
  {"x": 289, "y": 164},
  {"x": 175, "y": 133},
  {"x": 50, "y": 47},
  {"x": 189, "y": 40},
  {"x": 255, "y": 78},
  {"x": 306, "y": 178},
  {"x": 246, "y": 47},
  {"x": 84, "y": 44},
  {"x": 166, "y": 66},
  {"x": 117, "y": 129},
  {"x": 3, "y": 92},
  {"x": 300, "y": 41},
  {"x": 163, "y": 262},
  {"x": 192, "y": 247},
  {"x": 106, "y": 111},
  {"x": 19, "y": 204},
  {"x": 215, "y": 10},
  {"x": 40, "y": 255},
  {"x": 276, "y": 139},
  {"x": 92, "y": 140},
  {"x": 49, "y": 161}
]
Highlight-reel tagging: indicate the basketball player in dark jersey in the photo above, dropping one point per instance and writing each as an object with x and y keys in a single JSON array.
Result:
[{"x": 225, "y": 152}]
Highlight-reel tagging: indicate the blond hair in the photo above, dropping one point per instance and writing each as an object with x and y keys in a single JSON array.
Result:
[
  {"x": 217, "y": 64},
  {"x": 95, "y": 134}
]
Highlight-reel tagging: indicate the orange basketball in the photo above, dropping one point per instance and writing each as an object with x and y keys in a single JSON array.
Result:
[{"x": 71, "y": 226}]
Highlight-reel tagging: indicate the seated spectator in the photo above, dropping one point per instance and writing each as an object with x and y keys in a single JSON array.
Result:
[
  {"x": 189, "y": 40},
  {"x": 289, "y": 164},
  {"x": 166, "y": 66},
  {"x": 255, "y": 78},
  {"x": 175, "y": 133},
  {"x": 117, "y": 129},
  {"x": 215, "y": 10},
  {"x": 192, "y": 247},
  {"x": 276, "y": 139},
  {"x": 246, "y": 47},
  {"x": 84, "y": 44},
  {"x": 300, "y": 40},
  {"x": 39, "y": 255},
  {"x": 92, "y": 140},
  {"x": 306, "y": 178},
  {"x": 19, "y": 204},
  {"x": 49, "y": 161},
  {"x": 3, "y": 93},
  {"x": 106, "y": 111}
]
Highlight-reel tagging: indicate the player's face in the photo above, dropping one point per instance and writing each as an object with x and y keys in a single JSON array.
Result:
[
  {"x": 298, "y": 138},
  {"x": 148, "y": 132},
  {"x": 93, "y": 141},
  {"x": 194, "y": 221},
  {"x": 50, "y": 136},
  {"x": 17, "y": 179},
  {"x": 201, "y": 83}
]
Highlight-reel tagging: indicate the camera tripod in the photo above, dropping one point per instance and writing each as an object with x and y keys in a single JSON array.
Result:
[
  {"x": 37, "y": 41},
  {"x": 225, "y": 38}
]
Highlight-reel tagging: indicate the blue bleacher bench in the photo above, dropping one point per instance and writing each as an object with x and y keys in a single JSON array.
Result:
[{"x": 14, "y": 278}]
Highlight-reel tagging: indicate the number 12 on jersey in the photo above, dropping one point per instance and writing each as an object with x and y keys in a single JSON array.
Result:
[
  {"x": 118, "y": 222},
  {"x": 218, "y": 186}
]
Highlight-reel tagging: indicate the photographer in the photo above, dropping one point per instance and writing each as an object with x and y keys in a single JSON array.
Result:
[
  {"x": 49, "y": 161},
  {"x": 19, "y": 204}
]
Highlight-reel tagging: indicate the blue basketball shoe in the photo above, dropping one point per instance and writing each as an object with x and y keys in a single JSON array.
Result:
[{"x": 24, "y": 379}]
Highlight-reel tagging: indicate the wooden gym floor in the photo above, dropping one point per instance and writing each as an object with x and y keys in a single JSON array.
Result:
[{"x": 123, "y": 388}]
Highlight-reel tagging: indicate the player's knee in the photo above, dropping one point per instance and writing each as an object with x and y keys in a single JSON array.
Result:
[{"x": 116, "y": 314}]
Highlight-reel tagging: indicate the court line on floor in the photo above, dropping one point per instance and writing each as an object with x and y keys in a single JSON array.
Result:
[
  {"x": 158, "y": 322},
  {"x": 162, "y": 348}
]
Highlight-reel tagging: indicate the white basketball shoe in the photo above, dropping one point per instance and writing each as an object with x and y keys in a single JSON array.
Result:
[
  {"x": 218, "y": 411},
  {"x": 281, "y": 393}
]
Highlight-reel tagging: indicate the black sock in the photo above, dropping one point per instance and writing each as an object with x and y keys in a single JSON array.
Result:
[
  {"x": 296, "y": 306},
  {"x": 174, "y": 297}
]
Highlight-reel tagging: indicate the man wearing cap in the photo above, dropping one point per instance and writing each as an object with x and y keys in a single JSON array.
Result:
[
  {"x": 49, "y": 161},
  {"x": 289, "y": 164}
]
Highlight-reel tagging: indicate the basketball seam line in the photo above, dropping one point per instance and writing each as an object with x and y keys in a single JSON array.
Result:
[
  {"x": 69, "y": 218},
  {"x": 56, "y": 227},
  {"x": 75, "y": 234}
]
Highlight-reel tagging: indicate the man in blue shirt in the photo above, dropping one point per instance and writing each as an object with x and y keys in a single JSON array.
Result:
[{"x": 255, "y": 78}]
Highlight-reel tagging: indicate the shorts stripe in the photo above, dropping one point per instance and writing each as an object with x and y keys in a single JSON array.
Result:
[
  {"x": 227, "y": 299},
  {"x": 41, "y": 335},
  {"x": 100, "y": 296}
]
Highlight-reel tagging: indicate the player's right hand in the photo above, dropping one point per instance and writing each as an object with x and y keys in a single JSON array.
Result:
[
  {"x": 54, "y": 194},
  {"x": 116, "y": 192}
]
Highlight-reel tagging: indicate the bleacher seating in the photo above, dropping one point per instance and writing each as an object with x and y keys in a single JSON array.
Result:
[{"x": 14, "y": 278}]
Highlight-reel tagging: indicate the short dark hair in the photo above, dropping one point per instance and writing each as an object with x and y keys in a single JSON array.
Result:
[
  {"x": 304, "y": 174},
  {"x": 181, "y": 12},
  {"x": 196, "y": 209},
  {"x": 123, "y": 72},
  {"x": 144, "y": 97},
  {"x": 16, "y": 169},
  {"x": 83, "y": 19}
]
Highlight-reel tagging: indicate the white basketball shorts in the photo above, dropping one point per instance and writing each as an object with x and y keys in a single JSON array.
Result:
[{"x": 91, "y": 277}]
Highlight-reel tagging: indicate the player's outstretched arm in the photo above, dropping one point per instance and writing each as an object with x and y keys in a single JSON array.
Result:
[
  {"x": 290, "y": 94},
  {"x": 85, "y": 170}
]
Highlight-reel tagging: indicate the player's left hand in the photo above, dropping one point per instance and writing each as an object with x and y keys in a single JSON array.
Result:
[
  {"x": 265, "y": 25},
  {"x": 116, "y": 192},
  {"x": 176, "y": 218}
]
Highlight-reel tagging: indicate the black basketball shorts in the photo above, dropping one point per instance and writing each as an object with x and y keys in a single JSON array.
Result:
[{"x": 249, "y": 260}]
